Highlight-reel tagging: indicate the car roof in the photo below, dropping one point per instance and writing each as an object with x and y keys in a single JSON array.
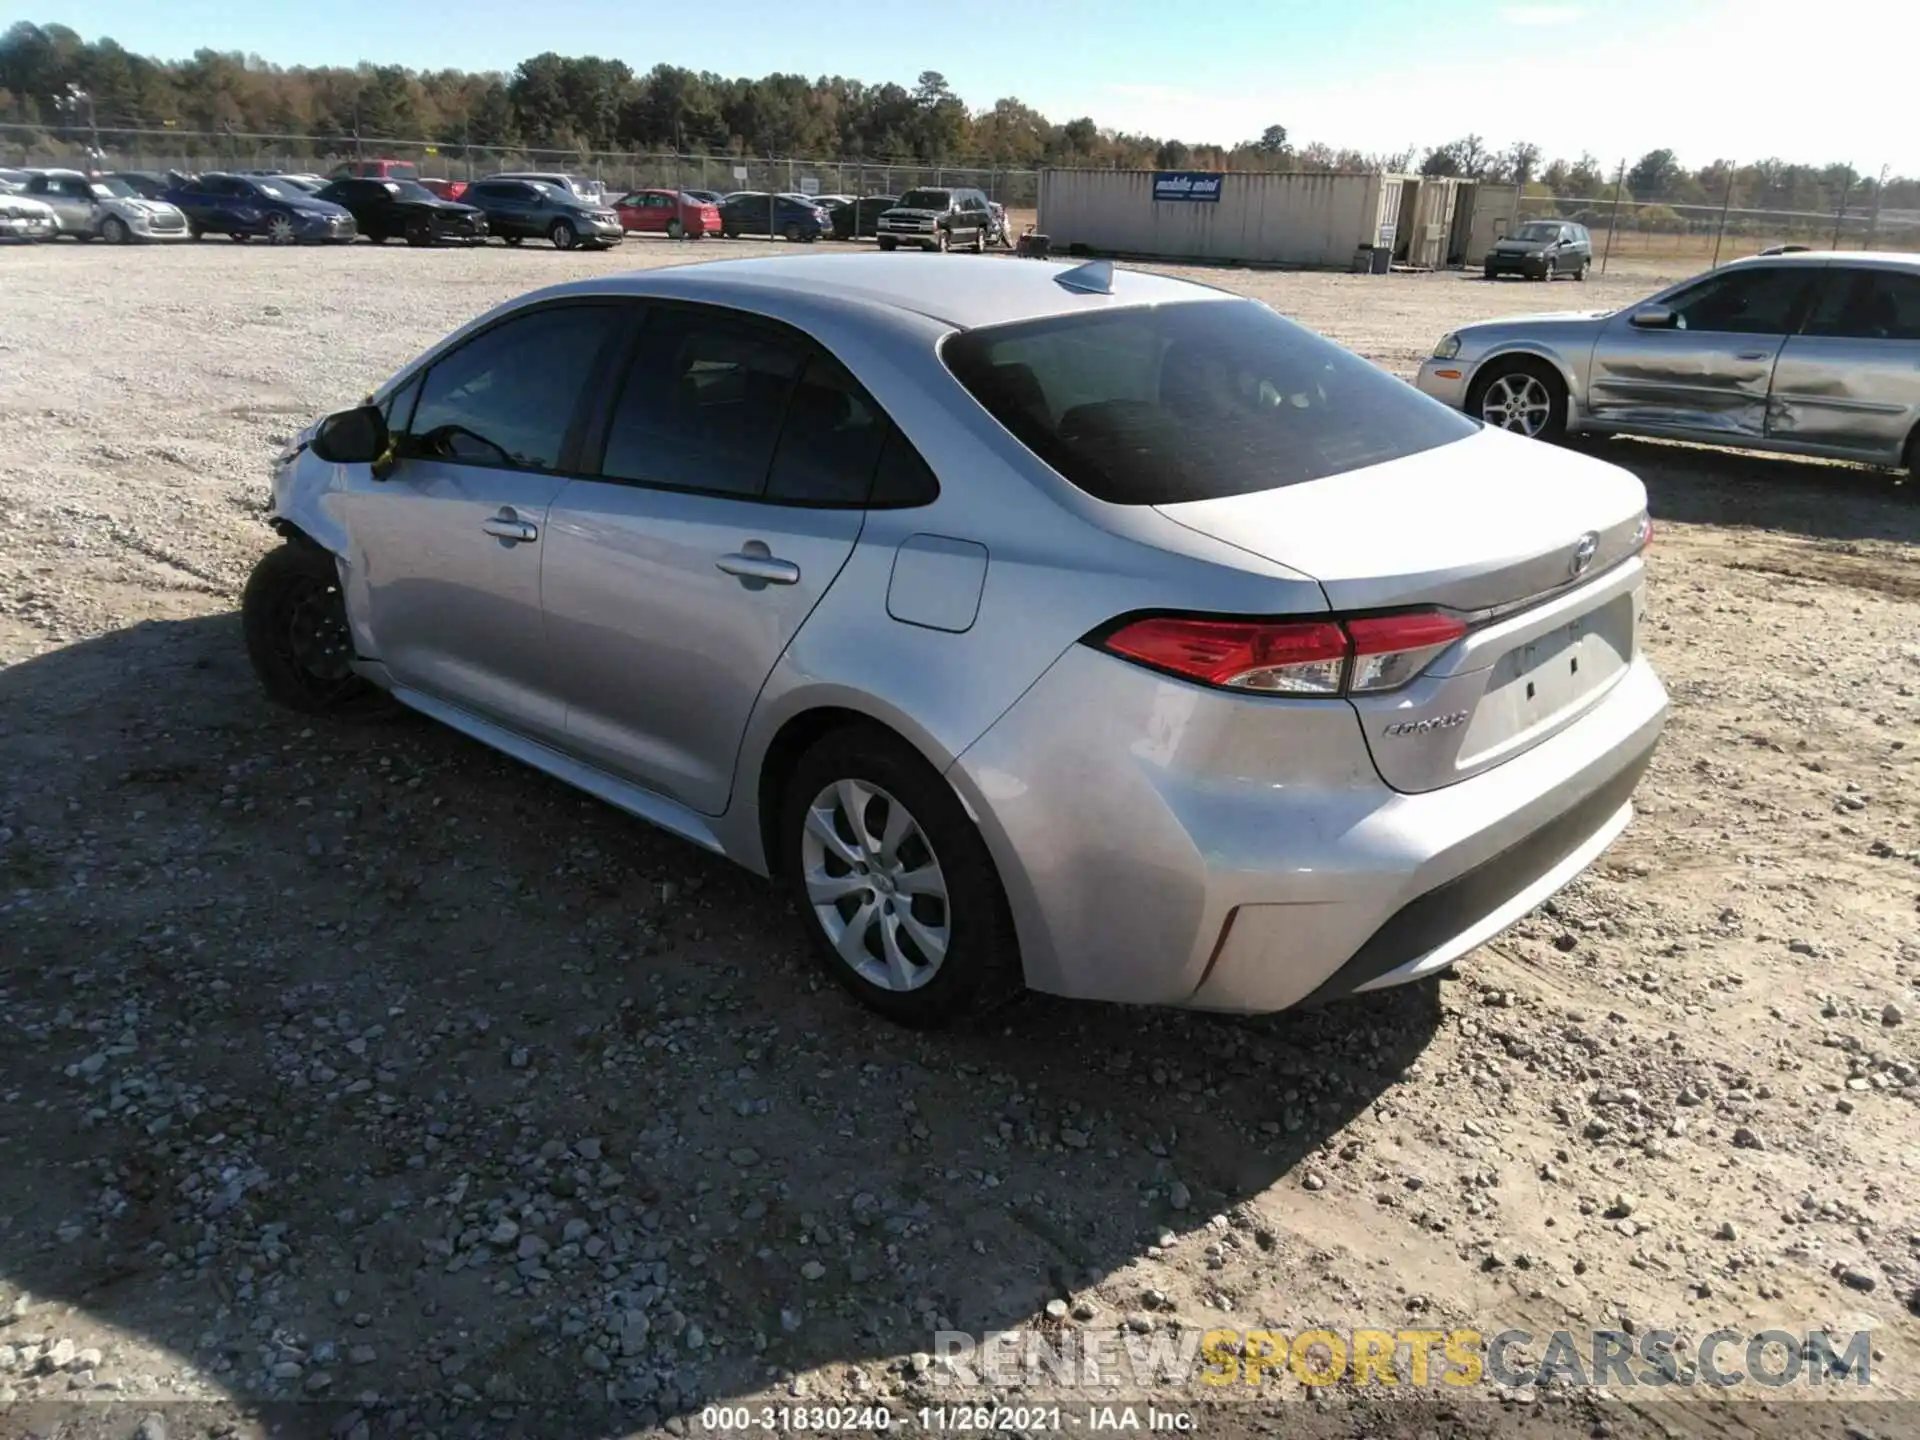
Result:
[
  {"x": 965, "y": 293},
  {"x": 1904, "y": 260}
]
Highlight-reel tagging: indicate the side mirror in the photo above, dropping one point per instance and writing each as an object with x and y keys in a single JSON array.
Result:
[
  {"x": 1654, "y": 317},
  {"x": 352, "y": 437}
]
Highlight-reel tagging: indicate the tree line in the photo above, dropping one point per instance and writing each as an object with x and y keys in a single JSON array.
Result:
[{"x": 53, "y": 80}]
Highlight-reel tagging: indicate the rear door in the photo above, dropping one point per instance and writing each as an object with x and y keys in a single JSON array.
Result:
[
  {"x": 734, "y": 470},
  {"x": 1851, "y": 379},
  {"x": 446, "y": 551},
  {"x": 1708, "y": 377}
]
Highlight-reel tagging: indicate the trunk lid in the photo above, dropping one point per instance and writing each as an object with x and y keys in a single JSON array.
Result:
[{"x": 1490, "y": 528}]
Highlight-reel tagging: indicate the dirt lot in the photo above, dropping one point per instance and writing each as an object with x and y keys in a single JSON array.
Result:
[{"x": 359, "y": 1067}]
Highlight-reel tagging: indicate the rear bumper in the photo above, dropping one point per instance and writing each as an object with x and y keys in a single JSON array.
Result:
[{"x": 1157, "y": 848}]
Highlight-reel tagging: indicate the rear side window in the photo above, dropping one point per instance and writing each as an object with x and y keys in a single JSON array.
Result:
[
  {"x": 1868, "y": 305},
  {"x": 830, "y": 441},
  {"x": 1193, "y": 401},
  {"x": 702, "y": 404},
  {"x": 507, "y": 397}
]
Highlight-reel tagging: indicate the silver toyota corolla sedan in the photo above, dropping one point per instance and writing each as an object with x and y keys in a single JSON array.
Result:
[
  {"x": 1077, "y": 628},
  {"x": 1801, "y": 353}
]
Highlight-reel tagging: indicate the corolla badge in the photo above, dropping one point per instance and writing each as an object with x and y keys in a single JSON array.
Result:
[
  {"x": 1584, "y": 549},
  {"x": 1427, "y": 727}
]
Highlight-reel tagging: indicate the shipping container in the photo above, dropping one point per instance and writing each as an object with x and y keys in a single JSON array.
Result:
[{"x": 1258, "y": 219}]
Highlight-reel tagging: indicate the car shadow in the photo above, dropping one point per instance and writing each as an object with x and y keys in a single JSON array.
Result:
[
  {"x": 1743, "y": 489},
  {"x": 362, "y": 1069}
]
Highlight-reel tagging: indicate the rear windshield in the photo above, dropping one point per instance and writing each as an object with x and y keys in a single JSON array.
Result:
[{"x": 1193, "y": 401}]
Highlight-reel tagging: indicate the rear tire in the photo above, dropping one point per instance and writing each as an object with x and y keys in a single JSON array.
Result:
[
  {"x": 925, "y": 921},
  {"x": 1523, "y": 395},
  {"x": 675, "y": 230},
  {"x": 293, "y": 616}
]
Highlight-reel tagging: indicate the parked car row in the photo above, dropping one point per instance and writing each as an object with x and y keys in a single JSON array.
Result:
[{"x": 387, "y": 200}]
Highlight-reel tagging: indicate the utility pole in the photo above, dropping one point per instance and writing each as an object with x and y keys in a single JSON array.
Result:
[
  {"x": 1840, "y": 214},
  {"x": 1725, "y": 202},
  {"x": 1613, "y": 219},
  {"x": 1873, "y": 221}
]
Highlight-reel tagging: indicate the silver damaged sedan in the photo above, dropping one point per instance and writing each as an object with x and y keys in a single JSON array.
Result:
[
  {"x": 1059, "y": 627},
  {"x": 1798, "y": 353}
]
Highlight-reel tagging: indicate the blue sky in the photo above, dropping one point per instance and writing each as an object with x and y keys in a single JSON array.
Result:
[{"x": 1808, "y": 80}]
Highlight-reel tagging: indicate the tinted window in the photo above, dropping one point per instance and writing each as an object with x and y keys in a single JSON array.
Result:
[
  {"x": 702, "y": 405},
  {"x": 1868, "y": 305},
  {"x": 902, "y": 477},
  {"x": 830, "y": 441},
  {"x": 1746, "y": 302},
  {"x": 1193, "y": 401},
  {"x": 507, "y": 396},
  {"x": 925, "y": 200},
  {"x": 399, "y": 406}
]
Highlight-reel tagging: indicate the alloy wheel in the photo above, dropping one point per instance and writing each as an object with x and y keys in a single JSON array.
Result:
[
  {"x": 318, "y": 640},
  {"x": 875, "y": 885},
  {"x": 1517, "y": 402},
  {"x": 280, "y": 230}
]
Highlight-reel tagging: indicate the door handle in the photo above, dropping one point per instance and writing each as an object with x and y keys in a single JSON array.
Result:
[
  {"x": 505, "y": 527},
  {"x": 1751, "y": 354},
  {"x": 769, "y": 569}
]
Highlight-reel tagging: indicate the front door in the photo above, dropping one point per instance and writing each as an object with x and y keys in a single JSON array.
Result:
[
  {"x": 737, "y": 461},
  {"x": 445, "y": 564},
  {"x": 1709, "y": 375},
  {"x": 1851, "y": 379}
]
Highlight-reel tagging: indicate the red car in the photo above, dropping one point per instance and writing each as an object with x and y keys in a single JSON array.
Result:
[
  {"x": 666, "y": 212},
  {"x": 446, "y": 189},
  {"x": 375, "y": 170}
]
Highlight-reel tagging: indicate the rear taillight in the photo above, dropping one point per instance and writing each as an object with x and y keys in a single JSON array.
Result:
[
  {"x": 1364, "y": 655},
  {"x": 1296, "y": 658},
  {"x": 1389, "y": 650}
]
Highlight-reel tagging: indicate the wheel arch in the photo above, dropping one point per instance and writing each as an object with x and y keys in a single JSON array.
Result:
[
  {"x": 1543, "y": 354},
  {"x": 770, "y": 764}
]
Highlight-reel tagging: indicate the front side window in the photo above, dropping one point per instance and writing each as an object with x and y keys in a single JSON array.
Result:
[
  {"x": 1868, "y": 305},
  {"x": 1193, "y": 401},
  {"x": 1746, "y": 302},
  {"x": 702, "y": 404},
  {"x": 507, "y": 397}
]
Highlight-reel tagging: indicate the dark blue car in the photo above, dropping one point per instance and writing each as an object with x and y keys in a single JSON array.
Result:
[
  {"x": 242, "y": 206},
  {"x": 791, "y": 217}
]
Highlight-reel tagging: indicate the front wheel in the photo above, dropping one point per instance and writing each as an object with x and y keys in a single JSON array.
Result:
[
  {"x": 979, "y": 242},
  {"x": 895, "y": 885},
  {"x": 887, "y": 242},
  {"x": 512, "y": 239},
  {"x": 1552, "y": 272},
  {"x": 293, "y": 616},
  {"x": 116, "y": 232},
  {"x": 563, "y": 235},
  {"x": 280, "y": 230},
  {"x": 942, "y": 242},
  {"x": 420, "y": 234},
  {"x": 1524, "y": 396}
]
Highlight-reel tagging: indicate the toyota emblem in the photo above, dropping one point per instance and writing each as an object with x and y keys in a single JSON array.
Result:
[{"x": 1584, "y": 549}]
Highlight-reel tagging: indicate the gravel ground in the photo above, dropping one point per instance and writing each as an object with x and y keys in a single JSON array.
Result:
[{"x": 357, "y": 1080}]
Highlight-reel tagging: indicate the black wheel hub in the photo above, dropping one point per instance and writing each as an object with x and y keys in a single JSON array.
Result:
[{"x": 318, "y": 639}]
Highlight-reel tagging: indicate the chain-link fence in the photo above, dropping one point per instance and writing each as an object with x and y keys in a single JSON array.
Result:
[
  {"x": 1713, "y": 234},
  {"x": 619, "y": 171}
]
